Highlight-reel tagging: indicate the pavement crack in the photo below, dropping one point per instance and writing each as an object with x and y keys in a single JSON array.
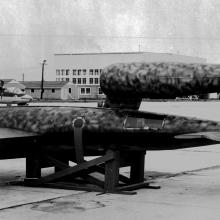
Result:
[
  {"x": 155, "y": 175},
  {"x": 36, "y": 202}
]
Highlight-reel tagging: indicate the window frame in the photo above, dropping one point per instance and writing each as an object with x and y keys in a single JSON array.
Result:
[
  {"x": 88, "y": 93},
  {"x": 74, "y": 80},
  {"x": 81, "y": 89},
  {"x": 91, "y": 81},
  {"x": 79, "y": 81},
  {"x": 96, "y": 81}
]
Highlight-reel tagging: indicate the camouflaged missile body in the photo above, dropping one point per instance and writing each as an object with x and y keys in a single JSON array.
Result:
[
  {"x": 159, "y": 80},
  {"x": 58, "y": 120}
]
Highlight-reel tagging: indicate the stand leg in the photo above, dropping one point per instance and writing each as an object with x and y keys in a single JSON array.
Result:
[
  {"x": 33, "y": 166},
  {"x": 137, "y": 167},
  {"x": 112, "y": 173}
]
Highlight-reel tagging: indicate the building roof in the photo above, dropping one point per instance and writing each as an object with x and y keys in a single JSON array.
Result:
[
  {"x": 57, "y": 54},
  {"x": 135, "y": 52},
  {"x": 13, "y": 83},
  {"x": 7, "y": 80},
  {"x": 47, "y": 84}
]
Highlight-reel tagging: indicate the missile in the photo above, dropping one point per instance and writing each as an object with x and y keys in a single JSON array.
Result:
[
  {"x": 128, "y": 83},
  {"x": 107, "y": 127}
]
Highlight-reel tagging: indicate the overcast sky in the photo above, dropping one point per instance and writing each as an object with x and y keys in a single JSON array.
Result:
[{"x": 33, "y": 30}]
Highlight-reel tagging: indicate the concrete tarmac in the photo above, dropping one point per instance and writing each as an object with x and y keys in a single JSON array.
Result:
[{"x": 189, "y": 180}]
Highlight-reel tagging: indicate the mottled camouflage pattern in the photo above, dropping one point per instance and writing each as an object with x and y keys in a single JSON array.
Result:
[
  {"x": 56, "y": 119},
  {"x": 159, "y": 80},
  {"x": 44, "y": 120},
  {"x": 177, "y": 124}
]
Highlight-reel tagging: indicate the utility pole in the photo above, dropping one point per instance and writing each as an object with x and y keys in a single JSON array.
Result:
[
  {"x": 42, "y": 79},
  {"x": 1, "y": 88},
  {"x": 23, "y": 77}
]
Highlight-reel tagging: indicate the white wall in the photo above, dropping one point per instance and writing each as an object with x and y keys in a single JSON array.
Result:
[
  {"x": 65, "y": 91},
  {"x": 101, "y": 60}
]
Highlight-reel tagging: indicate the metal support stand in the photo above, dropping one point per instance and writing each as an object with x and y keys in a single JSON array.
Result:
[{"x": 79, "y": 177}]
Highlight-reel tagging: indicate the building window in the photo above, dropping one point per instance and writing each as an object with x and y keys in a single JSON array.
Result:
[
  {"x": 96, "y": 72},
  {"x": 79, "y": 72},
  {"x": 67, "y": 79},
  {"x": 88, "y": 90},
  {"x": 32, "y": 90},
  {"x": 74, "y": 80},
  {"x": 84, "y": 81},
  {"x": 74, "y": 71},
  {"x": 62, "y": 79},
  {"x": 96, "y": 80},
  {"x": 84, "y": 71},
  {"x": 53, "y": 90},
  {"x": 90, "y": 80},
  {"x": 67, "y": 72},
  {"x": 79, "y": 80},
  {"x": 100, "y": 91},
  {"x": 100, "y": 71},
  {"x": 82, "y": 91},
  {"x": 57, "y": 72},
  {"x": 62, "y": 72},
  {"x": 70, "y": 90},
  {"x": 91, "y": 72}
]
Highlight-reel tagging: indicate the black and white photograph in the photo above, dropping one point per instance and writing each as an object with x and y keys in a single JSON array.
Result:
[{"x": 109, "y": 109}]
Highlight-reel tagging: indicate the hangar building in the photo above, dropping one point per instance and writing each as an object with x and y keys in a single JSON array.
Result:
[{"x": 84, "y": 69}]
